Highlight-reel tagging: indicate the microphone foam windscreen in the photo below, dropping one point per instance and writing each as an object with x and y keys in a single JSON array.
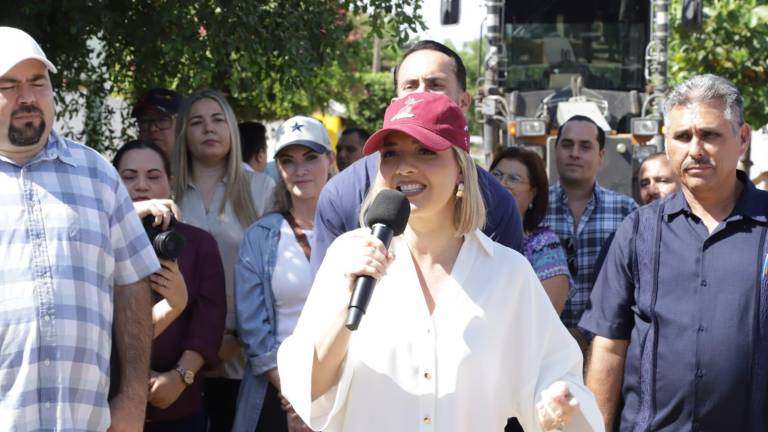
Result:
[{"x": 390, "y": 208}]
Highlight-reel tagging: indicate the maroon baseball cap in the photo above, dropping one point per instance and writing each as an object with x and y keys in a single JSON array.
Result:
[{"x": 433, "y": 119}]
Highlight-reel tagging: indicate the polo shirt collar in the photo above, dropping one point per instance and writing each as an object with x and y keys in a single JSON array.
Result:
[
  {"x": 749, "y": 204},
  {"x": 597, "y": 193},
  {"x": 675, "y": 204},
  {"x": 56, "y": 148}
]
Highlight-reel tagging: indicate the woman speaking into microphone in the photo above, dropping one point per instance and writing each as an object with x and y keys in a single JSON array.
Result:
[{"x": 459, "y": 334}]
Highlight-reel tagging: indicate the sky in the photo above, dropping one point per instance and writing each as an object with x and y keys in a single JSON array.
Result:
[{"x": 468, "y": 28}]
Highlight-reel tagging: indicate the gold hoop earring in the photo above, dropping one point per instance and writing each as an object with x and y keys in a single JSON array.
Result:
[{"x": 460, "y": 190}]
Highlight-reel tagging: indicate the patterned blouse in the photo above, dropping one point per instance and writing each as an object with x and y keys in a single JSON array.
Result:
[{"x": 546, "y": 255}]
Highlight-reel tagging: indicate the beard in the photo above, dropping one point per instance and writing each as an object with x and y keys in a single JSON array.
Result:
[{"x": 28, "y": 134}]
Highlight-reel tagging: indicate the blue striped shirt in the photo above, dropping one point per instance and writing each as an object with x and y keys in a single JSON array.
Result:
[
  {"x": 68, "y": 235},
  {"x": 602, "y": 216}
]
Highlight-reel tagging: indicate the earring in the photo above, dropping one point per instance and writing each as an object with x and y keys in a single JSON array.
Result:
[
  {"x": 460, "y": 190},
  {"x": 530, "y": 206}
]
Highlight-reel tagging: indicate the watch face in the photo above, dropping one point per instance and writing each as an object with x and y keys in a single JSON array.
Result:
[
  {"x": 189, "y": 377},
  {"x": 186, "y": 375}
]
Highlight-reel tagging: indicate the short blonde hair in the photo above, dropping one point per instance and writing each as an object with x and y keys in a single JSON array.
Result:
[{"x": 468, "y": 211}]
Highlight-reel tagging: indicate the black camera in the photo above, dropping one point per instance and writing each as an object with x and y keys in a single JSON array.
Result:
[{"x": 168, "y": 243}]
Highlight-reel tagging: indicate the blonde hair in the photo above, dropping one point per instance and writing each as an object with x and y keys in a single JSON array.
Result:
[
  {"x": 468, "y": 211},
  {"x": 238, "y": 185},
  {"x": 283, "y": 201}
]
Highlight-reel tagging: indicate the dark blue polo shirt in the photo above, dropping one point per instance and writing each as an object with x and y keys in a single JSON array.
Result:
[
  {"x": 704, "y": 313},
  {"x": 339, "y": 206}
]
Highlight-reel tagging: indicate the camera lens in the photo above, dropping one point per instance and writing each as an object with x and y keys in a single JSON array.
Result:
[{"x": 168, "y": 244}]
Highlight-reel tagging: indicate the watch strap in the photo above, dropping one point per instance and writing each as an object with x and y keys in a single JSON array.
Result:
[{"x": 187, "y": 376}]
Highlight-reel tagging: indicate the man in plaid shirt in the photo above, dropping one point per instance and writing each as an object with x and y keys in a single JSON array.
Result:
[
  {"x": 582, "y": 213},
  {"x": 73, "y": 259}
]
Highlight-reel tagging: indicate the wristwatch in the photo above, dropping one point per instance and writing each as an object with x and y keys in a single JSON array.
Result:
[{"x": 186, "y": 375}]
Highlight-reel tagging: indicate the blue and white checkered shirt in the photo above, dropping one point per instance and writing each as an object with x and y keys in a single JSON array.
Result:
[
  {"x": 602, "y": 215},
  {"x": 68, "y": 235}
]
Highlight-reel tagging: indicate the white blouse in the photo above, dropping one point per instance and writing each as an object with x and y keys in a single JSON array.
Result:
[
  {"x": 491, "y": 346},
  {"x": 226, "y": 229},
  {"x": 291, "y": 280}
]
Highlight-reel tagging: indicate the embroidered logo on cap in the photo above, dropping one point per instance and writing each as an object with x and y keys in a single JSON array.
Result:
[{"x": 406, "y": 110}]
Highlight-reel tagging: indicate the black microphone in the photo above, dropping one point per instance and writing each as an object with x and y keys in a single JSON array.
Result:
[{"x": 387, "y": 217}]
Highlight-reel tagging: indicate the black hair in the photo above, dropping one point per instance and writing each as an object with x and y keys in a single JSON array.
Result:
[
  {"x": 579, "y": 117},
  {"x": 138, "y": 145},
  {"x": 253, "y": 139},
  {"x": 460, "y": 70},
  {"x": 362, "y": 133}
]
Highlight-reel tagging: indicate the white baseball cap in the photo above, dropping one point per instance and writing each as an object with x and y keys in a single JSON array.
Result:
[
  {"x": 17, "y": 47},
  {"x": 305, "y": 131}
]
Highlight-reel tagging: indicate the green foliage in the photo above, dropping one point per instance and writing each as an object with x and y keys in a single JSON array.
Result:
[
  {"x": 471, "y": 56},
  {"x": 273, "y": 58},
  {"x": 371, "y": 99},
  {"x": 733, "y": 43}
]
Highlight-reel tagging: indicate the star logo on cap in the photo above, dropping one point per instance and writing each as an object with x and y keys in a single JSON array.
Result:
[
  {"x": 296, "y": 127},
  {"x": 407, "y": 110}
]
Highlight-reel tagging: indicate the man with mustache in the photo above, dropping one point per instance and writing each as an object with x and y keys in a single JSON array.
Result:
[
  {"x": 656, "y": 178},
  {"x": 582, "y": 212},
  {"x": 73, "y": 262},
  {"x": 679, "y": 308}
]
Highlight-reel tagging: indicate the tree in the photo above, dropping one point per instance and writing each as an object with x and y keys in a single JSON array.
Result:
[
  {"x": 472, "y": 55},
  {"x": 375, "y": 90},
  {"x": 371, "y": 91},
  {"x": 273, "y": 58},
  {"x": 370, "y": 100},
  {"x": 733, "y": 43}
]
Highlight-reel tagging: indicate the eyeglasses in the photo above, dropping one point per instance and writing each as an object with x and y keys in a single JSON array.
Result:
[
  {"x": 508, "y": 179},
  {"x": 569, "y": 244},
  {"x": 160, "y": 123}
]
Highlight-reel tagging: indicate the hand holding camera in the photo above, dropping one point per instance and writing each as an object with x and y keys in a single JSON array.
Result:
[
  {"x": 163, "y": 210},
  {"x": 169, "y": 283},
  {"x": 168, "y": 245}
]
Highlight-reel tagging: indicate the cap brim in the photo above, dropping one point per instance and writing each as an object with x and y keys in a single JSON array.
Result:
[
  {"x": 421, "y": 134},
  {"x": 139, "y": 109},
  {"x": 43, "y": 60},
  {"x": 305, "y": 143}
]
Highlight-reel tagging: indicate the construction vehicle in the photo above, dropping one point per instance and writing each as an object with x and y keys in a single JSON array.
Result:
[{"x": 548, "y": 60}]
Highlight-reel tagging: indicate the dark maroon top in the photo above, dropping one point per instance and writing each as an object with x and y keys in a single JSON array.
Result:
[{"x": 200, "y": 327}]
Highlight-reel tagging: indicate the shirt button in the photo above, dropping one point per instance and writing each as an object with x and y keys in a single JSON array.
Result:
[
  {"x": 47, "y": 318},
  {"x": 427, "y": 420},
  {"x": 47, "y": 362},
  {"x": 47, "y": 404},
  {"x": 699, "y": 373},
  {"x": 704, "y": 282},
  {"x": 428, "y": 376}
]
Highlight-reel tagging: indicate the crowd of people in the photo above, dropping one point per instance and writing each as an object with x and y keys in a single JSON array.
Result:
[{"x": 193, "y": 285}]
